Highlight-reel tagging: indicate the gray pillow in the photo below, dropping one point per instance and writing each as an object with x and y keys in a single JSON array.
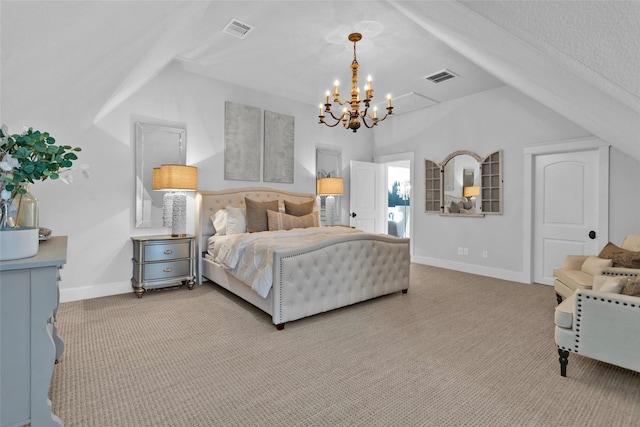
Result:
[
  {"x": 298, "y": 209},
  {"x": 257, "y": 214},
  {"x": 454, "y": 208}
]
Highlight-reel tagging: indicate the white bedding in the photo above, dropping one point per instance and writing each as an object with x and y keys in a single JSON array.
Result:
[{"x": 249, "y": 256}]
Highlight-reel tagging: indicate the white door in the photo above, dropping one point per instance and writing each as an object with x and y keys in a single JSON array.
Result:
[
  {"x": 566, "y": 210},
  {"x": 368, "y": 197}
]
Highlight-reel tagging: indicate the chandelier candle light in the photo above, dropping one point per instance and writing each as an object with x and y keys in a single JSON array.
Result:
[
  {"x": 351, "y": 118},
  {"x": 176, "y": 179}
]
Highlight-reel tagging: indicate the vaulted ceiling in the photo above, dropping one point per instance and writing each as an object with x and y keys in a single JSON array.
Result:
[{"x": 579, "y": 58}]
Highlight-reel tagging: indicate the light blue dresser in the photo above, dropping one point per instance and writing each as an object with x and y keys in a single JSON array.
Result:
[{"x": 29, "y": 343}]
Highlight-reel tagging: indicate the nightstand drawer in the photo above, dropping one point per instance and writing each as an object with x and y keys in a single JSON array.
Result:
[
  {"x": 165, "y": 270},
  {"x": 165, "y": 251}
]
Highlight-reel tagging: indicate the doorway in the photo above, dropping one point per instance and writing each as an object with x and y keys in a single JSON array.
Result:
[
  {"x": 399, "y": 198},
  {"x": 398, "y": 171}
]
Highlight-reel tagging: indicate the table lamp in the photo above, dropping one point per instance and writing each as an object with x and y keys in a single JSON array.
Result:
[
  {"x": 177, "y": 180},
  {"x": 330, "y": 187}
]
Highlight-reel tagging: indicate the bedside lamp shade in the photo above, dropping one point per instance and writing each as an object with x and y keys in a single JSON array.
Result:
[
  {"x": 177, "y": 179},
  {"x": 330, "y": 186}
]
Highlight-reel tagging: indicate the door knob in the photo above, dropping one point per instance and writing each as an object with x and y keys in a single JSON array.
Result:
[
  {"x": 353, "y": 215},
  {"x": 592, "y": 234}
]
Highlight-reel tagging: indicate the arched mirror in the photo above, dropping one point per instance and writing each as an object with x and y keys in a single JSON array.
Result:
[
  {"x": 464, "y": 184},
  {"x": 461, "y": 183}
]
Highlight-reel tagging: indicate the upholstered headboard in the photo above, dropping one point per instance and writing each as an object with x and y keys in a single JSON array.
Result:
[{"x": 208, "y": 202}]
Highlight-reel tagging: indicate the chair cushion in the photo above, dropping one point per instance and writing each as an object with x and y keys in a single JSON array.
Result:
[
  {"x": 573, "y": 278},
  {"x": 564, "y": 312},
  {"x": 594, "y": 265},
  {"x": 632, "y": 242}
]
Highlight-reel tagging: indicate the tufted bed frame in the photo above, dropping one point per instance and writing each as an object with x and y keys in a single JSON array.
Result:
[{"x": 340, "y": 271}]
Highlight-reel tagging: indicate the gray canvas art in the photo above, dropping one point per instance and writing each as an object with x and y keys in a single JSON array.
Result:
[
  {"x": 278, "y": 147},
  {"x": 241, "y": 142}
]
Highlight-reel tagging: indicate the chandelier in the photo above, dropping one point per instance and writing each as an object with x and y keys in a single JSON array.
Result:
[{"x": 352, "y": 118}]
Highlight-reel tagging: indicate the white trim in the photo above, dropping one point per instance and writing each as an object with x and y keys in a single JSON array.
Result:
[
  {"x": 498, "y": 273},
  {"x": 563, "y": 146},
  {"x": 96, "y": 291}
]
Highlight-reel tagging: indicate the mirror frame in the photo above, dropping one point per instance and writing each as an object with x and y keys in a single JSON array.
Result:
[
  {"x": 490, "y": 179},
  {"x": 148, "y": 156}
]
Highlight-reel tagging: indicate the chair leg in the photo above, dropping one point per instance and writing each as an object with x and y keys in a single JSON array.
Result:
[
  {"x": 558, "y": 298},
  {"x": 564, "y": 360}
]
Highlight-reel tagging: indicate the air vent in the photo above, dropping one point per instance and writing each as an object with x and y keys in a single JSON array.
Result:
[
  {"x": 237, "y": 29},
  {"x": 441, "y": 76}
]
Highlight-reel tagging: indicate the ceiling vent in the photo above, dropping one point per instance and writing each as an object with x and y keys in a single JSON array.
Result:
[
  {"x": 441, "y": 76},
  {"x": 237, "y": 29}
]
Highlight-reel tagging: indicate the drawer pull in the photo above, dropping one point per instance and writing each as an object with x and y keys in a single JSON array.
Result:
[
  {"x": 168, "y": 252},
  {"x": 167, "y": 270}
]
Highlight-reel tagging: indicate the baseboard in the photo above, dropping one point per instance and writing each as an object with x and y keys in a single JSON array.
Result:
[
  {"x": 95, "y": 291},
  {"x": 514, "y": 276},
  {"x": 116, "y": 288}
]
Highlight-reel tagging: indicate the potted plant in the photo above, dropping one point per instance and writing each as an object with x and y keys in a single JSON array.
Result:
[{"x": 24, "y": 159}]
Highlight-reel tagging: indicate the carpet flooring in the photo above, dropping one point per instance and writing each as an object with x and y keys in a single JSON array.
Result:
[{"x": 456, "y": 350}]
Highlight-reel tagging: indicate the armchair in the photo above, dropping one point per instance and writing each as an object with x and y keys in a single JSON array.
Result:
[
  {"x": 578, "y": 271},
  {"x": 601, "y": 325}
]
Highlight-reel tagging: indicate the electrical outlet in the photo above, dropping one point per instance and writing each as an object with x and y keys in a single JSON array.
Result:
[
  {"x": 485, "y": 254},
  {"x": 460, "y": 250},
  {"x": 466, "y": 251}
]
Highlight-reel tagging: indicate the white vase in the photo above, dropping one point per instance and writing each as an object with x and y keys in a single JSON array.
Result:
[{"x": 18, "y": 242}]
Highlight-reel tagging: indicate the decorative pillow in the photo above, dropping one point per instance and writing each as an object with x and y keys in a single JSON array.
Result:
[
  {"x": 609, "y": 284},
  {"x": 608, "y": 250},
  {"x": 219, "y": 222},
  {"x": 257, "y": 214},
  {"x": 632, "y": 287},
  {"x": 282, "y": 221},
  {"x": 454, "y": 208},
  {"x": 236, "y": 220},
  {"x": 626, "y": 259},
  {"x": 594, "y": 265},
  {"x": 298, "y": 209},
  {"x": 621, "y": 257}
]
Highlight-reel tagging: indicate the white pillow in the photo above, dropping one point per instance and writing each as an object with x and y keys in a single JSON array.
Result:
[
  {"x": 219, "y": 221},
  {"x": 594, "y": 265},
  {"x": 611, "y": 284},
  {"x": 236, "y": 220}
]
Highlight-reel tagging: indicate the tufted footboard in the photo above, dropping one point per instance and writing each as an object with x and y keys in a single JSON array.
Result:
[{"x": 336, "y": 273}]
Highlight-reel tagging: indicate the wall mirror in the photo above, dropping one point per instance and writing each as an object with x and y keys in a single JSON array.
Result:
[
  {"x": 328, "y": 165},
  {"x": 155, "y": 145},
  {"x": 464, "y": 184}
]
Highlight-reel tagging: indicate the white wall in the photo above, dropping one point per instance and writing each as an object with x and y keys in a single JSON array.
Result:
[
  {"x": 98, "y": 214},
  {"x": 485, "y": 122}
]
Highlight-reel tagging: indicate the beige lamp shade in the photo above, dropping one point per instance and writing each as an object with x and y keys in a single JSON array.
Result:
[
  {"x": 330, "y": 186},
  {"x": 471, "y": 191},
  {"x": 175, "y": 177}
]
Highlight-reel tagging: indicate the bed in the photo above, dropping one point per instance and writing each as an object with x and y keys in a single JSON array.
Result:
[{"x": 315, "y": 275}]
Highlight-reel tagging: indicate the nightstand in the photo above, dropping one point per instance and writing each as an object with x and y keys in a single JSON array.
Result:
[{"x": 162, "y": 261}]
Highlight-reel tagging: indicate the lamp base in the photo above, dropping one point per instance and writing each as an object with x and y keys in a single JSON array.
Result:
[
  {"x": 179, "y": 215},
  {"x": 330, "y": 203}
]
